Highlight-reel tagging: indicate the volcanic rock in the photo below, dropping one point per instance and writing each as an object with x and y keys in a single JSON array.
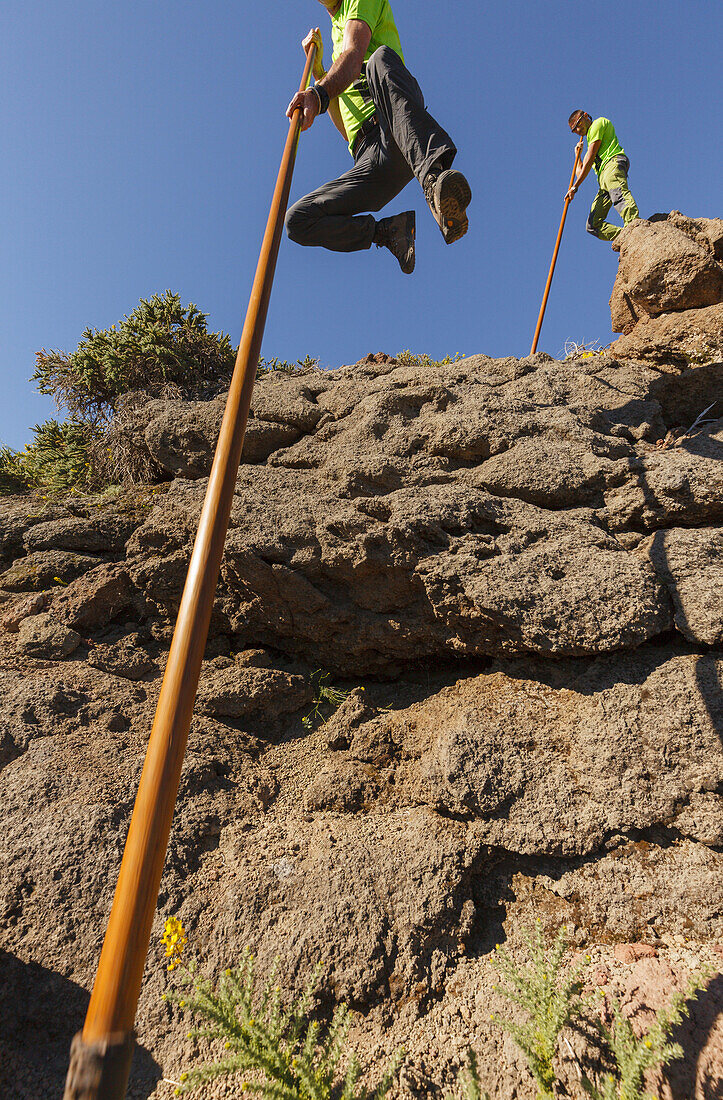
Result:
[
  {"x": 664, "y": 268},
  {"x": 464, "y": 672}
]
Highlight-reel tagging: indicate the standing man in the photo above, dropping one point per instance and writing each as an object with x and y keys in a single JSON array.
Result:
[
  {"x": 612, "y": 167},
  {"x": 378, "y": 108}
]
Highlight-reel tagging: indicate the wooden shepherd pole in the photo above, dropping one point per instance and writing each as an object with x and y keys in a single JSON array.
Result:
[
  {"x": 101, "y": 1054},
  {"x": 554, "y": 257}
]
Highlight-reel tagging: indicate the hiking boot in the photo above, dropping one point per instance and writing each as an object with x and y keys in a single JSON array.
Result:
[
  {"x": 397, "y": 234},
  {"x": 448, "y": 194}
]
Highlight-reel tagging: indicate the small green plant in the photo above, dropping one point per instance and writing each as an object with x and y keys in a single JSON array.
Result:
[
  {"x": 469, "y": 1082},
  {"x": 585, "y": 350},
  {"x": 550, "y": 998},
  {"x": 327, "y": 699},
  {"x": 284, "y": 1053},
  {"x": 301, "y": 366},
  {"x": 160, "y": 342},
  {"x": 407, "y": 359},
  {"x": 634, "y": 1056}
]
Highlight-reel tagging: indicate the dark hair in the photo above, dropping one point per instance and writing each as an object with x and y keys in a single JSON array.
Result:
[{"x": 576, "y": 115}]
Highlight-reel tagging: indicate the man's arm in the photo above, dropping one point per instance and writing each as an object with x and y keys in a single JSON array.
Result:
[
  {"x": 584, "y": 168},
  {"x": 344, "y": 71},
  {"x": 314, "y": 38},
  {"x": 348, "y": 65}
]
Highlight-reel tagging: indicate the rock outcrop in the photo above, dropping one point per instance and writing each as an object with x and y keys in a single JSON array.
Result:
[
  {"x": 520, "y": 562},
  {"x": 671, "y": 270}
]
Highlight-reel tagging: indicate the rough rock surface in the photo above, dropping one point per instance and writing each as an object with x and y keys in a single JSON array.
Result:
[
  {"x": 668, "y": 263},
  {"x": 513, "y": 571},
  {"x": 696, "y": 335}
]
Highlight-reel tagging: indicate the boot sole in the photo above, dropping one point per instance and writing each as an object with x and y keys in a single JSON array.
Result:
[{"x": 453, "y": 197}]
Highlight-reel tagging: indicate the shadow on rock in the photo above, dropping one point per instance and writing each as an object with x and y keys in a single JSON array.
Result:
[
  {"x": 40, "y": 1011},
  {"x": 711, "y": 689},
  {"x": 694, "y": 1035}
]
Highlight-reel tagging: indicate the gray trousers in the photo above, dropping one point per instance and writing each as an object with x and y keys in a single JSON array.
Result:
[{"x": 406, "y": 143}]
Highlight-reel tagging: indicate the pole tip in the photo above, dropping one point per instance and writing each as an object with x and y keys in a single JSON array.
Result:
[{"x": 99, "y": 1071}]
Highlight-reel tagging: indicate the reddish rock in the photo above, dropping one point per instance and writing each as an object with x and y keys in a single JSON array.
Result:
[
  {"x": 631, "y": 952},
  {"x": 22, "y": 609},
  {"x": 94, "y": 599}
]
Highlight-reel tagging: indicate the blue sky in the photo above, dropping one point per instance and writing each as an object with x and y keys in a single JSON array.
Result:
[{"x": 141, "y": 142}]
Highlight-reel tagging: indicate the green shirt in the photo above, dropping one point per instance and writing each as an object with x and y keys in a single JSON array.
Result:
[
  {"x": 356, "y": 103},
  {"x": 602, "y": 130}
]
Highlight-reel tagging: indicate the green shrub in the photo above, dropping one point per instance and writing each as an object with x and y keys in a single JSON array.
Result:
[
  {"x": 469, "y": 1081},
  {"x": 160, "y": 342},
  {"x": 633, "y": 1056},
  {"x": 271, "y": 366},
  {"x": 291, "y": 1056},
  {"x": 407, "y": 359},
  {"x": 12, "y": 475},
  {"x": 550, "y": 999},
  {"x": 162, "y": 345},
  {"x": 288, "y": 1055},
  {"x": 56, "y": 461}
]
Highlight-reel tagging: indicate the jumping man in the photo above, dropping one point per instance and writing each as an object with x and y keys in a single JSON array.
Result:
[
  {"x": 378, "y": 108},
  {"x": 612, "y": 167}
]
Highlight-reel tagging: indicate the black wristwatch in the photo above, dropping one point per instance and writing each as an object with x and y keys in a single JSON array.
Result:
[{"x": 323, "y": 98}]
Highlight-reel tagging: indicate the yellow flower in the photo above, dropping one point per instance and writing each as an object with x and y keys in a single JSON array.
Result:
[
  {"x": 184, "y": 1076},
  {"x": 174, "y": 937}
]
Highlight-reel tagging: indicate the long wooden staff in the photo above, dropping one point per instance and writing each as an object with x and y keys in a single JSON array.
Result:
[
  {"x": 554, "y": 257},
  {"x": 101, "y": 1053}
]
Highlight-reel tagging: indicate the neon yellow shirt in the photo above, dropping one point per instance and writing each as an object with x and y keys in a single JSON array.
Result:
[
  {"x": 355, "y": 104},
  {"x": 603, "y": 130}
]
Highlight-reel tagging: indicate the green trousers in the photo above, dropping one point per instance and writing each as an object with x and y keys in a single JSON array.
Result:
[{"x": 614, "y": 191}]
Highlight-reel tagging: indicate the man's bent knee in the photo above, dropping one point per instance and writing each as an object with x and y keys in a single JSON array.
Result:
[
  {"x": 616, "y": 196},
  {"x": 298, "y": 222},
  {"x": 382, "y": 60},
  {"x": 592, "y": 227}
]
